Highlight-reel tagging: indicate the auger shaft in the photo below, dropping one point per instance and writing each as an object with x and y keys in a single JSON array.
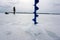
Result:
[{"x": 35, "y": 12}]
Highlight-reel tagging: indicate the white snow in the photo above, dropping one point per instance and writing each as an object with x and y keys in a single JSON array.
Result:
[{"x": 21, "y": 27}]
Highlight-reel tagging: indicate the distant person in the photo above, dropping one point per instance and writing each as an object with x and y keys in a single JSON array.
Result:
[{"x": 14, "y": 10}]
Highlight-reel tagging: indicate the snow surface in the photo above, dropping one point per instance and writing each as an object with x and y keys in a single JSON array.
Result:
[{"x": 21, "y": 27}]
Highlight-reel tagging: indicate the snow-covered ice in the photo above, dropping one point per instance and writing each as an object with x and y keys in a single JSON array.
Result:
[{"x": 21, "y": 27}]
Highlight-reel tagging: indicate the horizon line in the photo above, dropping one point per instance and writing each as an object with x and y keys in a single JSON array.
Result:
[{"x": 33, "y": 13}]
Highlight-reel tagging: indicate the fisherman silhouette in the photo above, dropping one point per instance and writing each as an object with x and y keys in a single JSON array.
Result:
[{"x": 14, "y": 10}]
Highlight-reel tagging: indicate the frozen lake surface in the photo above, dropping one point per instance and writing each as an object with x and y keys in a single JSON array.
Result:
[{"x": 21, "y": 27}]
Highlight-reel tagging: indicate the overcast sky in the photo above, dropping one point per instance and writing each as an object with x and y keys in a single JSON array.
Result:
[{"x": 27, "y": 5}]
